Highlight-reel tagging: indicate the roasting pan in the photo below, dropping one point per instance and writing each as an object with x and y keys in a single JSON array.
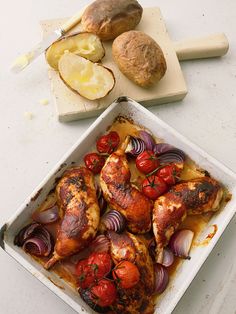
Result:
[{"x": 185, "y": 273}]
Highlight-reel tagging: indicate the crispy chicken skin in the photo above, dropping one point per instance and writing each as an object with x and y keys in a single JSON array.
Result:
[
  {"x": 76, "y": 195},
  {"x": 138, "y": 299},
  {"x": 121, "y": 195},
  {"x": 193, "y": 197}
]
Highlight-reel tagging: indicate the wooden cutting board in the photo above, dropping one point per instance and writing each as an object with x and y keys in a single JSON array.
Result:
[{"x": 70, "y": 106}]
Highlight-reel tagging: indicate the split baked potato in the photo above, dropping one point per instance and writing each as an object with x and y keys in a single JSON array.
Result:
[
  {"x": 84, "y": 44},
  {"x": 110, "y": 18},
  {"x": 139, "y": 58},
  {"x": 88, "y": 79}
]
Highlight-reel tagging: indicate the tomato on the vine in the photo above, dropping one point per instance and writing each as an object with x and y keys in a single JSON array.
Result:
[
  {"x": 94, "y": 162},
  {"x": 169, "y": 174},
  {"x": 85, "y": 273},
  {"x": 104, "y": 293},
  {"x": 95, "y": 267},
  {"x": 153, "y": 187},
  {"x": 126, "y": 274},
  {"x": 108, "y": 143},
  {"x": 101, "y": 262},
  {"x": 147, "y": 161}
]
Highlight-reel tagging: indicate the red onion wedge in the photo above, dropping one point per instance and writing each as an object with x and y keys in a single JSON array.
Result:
[
  {"x": 148, "y": 139},
  {"x": 47, "y": 216},
  {"x": 180, "y": 243},
  {"x": 100, "y": 244},
  {"x": 135, "y": 146},
  {"x": 113, "y": 220},
  {"x": 35, "y": 239},
  {"x": 167, "y": 153},
  {"x": 168, "y": 257},
  {"x": 172, "y": 156},
  {"x": 161, "y": 278},
  {"x": 101, "y": 200},
  {"x": 162, "y": 148}
]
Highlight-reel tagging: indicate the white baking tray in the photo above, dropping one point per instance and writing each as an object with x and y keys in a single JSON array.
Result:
[{"x": 186, "y": 272}]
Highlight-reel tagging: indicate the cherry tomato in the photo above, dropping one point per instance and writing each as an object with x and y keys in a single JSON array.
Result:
[
  {"x": 101, "y": 262},
  {"x": 169, "y": 174},
  {"x": 94, "y": 162},
  {"x": 85, "y": 273},
  {"x": 153, "y": 187},
  {"x": 104, "y": 293},
  {"x": 126, "y": 274},
  {"x": 95, "y": 267},
  {"x": 108, "y": 143},
  {"x": 147, "y": 161}
]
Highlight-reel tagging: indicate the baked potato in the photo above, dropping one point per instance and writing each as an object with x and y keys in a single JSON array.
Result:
[
  {"x": 110, "y": 18},
  {"x": 139, "y": 58},
  {"x": 84, "y": 44},
  {"x": 88, "y": 79}
]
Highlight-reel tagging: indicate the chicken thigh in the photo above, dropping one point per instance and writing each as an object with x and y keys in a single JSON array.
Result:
[{"x": 193, "y": 197}]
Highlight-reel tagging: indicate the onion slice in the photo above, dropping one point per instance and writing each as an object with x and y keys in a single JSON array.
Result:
[
  {"x": 35, "y": 239},
  {"x": 148, "y": 139},
  {"x": 180, "y": 243},
  {"x": 113, "y": 220},
  {"x": 161, "y": 278},
  {"x": 135, "y": 146},
  {"x": 47, "y": 216}
]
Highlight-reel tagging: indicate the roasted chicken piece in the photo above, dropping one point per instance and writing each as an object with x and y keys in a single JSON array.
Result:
[
  {"x": 121, "y": 195},
  {"x": 138, "y": 299},
  {"x": 193, "y": 197},
  {"x": 76, "y": 195}
]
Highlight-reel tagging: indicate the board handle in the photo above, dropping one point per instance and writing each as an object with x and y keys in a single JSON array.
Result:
[
  {"x": 74, "y": 20},
  {"x": 215, "y": 45}
]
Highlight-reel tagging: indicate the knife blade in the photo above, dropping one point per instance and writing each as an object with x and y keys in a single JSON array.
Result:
[{"x": 24, "y": 60}]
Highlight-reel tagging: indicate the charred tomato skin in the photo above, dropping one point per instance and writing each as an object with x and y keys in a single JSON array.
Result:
[
  {"x": 102, "y": 294},
  {"x": 147, "y": 162},
  {"x": 153, "y": 187},
  {"x": 94, "y": 162},
  {"x": 169, "y": 173},
  {"x": 93, "y": 268},
  {"x": 126, "y": 274},
  {"x": 108, "y": 143},
  {"x": 86, "y": 296},
  {"x": 102, "y": 262}
]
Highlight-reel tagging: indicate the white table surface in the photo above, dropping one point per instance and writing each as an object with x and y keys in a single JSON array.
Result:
[{"x": 30, "y": 148}]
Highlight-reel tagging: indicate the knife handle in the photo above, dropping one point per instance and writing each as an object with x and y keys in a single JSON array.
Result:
[
  {"x": 75, "y": 19},
  {"x": 215, "y": 45}
]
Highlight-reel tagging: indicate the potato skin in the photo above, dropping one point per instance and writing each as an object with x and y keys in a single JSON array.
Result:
[
  {"x": 110, "y": 18},
  {"x": 139, "y": 58}
]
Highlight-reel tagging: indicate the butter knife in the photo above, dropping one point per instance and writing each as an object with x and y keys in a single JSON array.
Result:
[{"x": 25, "y": 59}]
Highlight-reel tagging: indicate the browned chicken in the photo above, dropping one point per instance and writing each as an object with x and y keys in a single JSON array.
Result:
[
  {"x": 121, "y": 195},
  {"x": 138, "y": 299},
  {"x": 76, "y": 195},
  {"x": 193, "y": 197}
]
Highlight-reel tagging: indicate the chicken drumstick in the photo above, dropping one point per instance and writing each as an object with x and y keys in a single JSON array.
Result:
[{"x": 77, "y": 199}]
